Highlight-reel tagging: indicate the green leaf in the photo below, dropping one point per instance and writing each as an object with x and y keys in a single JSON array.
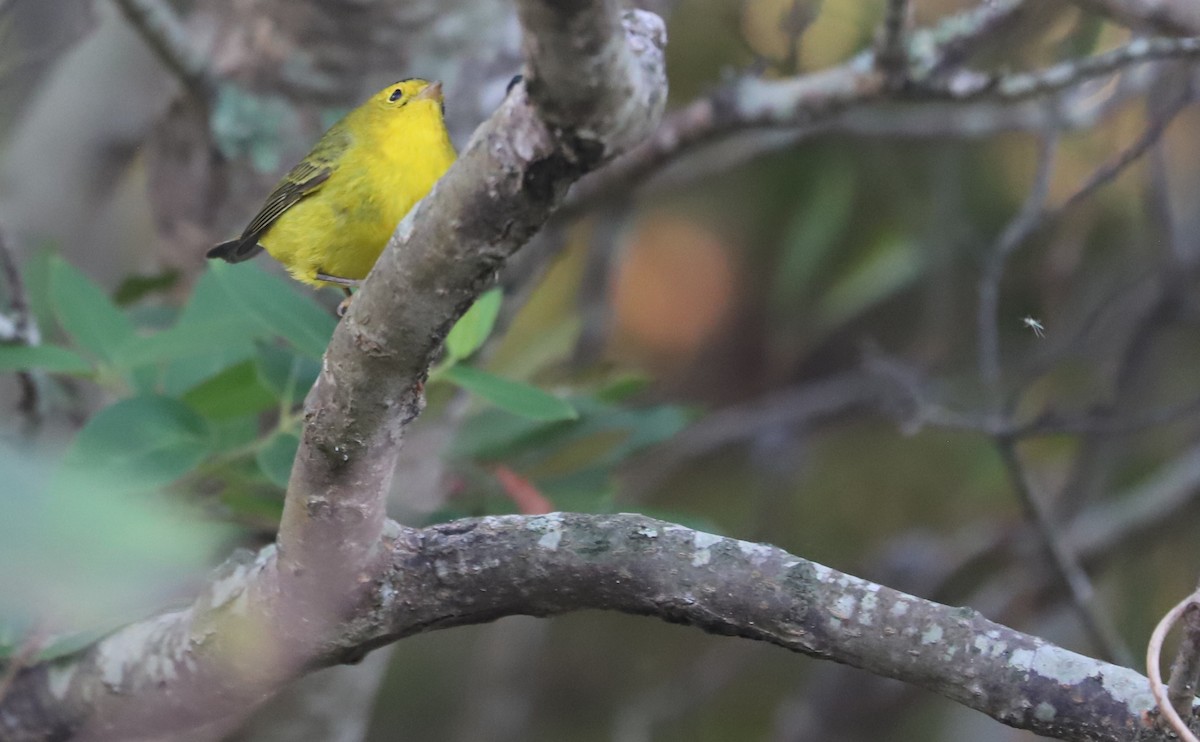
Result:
[
  {"x": 622, "y": 387},
  {"x": 185, "y": 340},
  {"x": 590, "y": 490},
  {"x": 128, "y": 553},
  {"x": 185, "y": 373},
  {"x": 45, "y": 357},
  {"x": 275, "y": 459},
  {"x": 276, "y": 307},
  {"x": 518, "y": 398},
  {"x": 253, "y": 507},
  {"x": 810, "y": 239},
  {"x": 86, "y": 313},
  {"x": 209, "y": 303},
  {"x": 142, "y": 442},
  {"x": 891, "y": 266},
  {"x": 495, "y": 434},
  {"x": 134, "y": 288},
  {"x": 235, "y": 392},
  {"x": 229, "y": 433},
  {"x": 473, "y": 327},
  {"x": 288, "y": 376},
  {"x": 36, "y": 271}
]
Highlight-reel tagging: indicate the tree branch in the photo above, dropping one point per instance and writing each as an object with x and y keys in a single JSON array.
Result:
[
  {"x": 1172, "y": 17},
  {"x": 265, "y": 620},
  {"x": 1015, "y": 233},
  {"x": 476, "y": 571},
  {"x": 892, "y": 55},
  {"x": 161, "y": 29},
  {"x": 19, "y": 326},
  {"x": 855, "y": 96},
  {"x": 510, "y": 176},
  {"x": 1020, "y": 86}
]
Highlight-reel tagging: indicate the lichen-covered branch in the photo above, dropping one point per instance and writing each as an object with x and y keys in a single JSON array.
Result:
[
  {"x": 1019, "y": 86},
  {"x": 477, "y": 571},
  {"x": 1175, "y": 17},
  {"x": 860, "y": 98},
  {"x": 804, "y": 101}
]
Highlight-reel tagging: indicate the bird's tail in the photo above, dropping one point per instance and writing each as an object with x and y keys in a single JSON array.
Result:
[{"x": 235, "y": 251}]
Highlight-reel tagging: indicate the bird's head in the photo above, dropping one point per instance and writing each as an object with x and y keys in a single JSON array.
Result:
[{"x": 412, "y": 94}]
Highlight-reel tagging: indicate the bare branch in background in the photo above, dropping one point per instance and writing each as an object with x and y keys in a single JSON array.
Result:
[
  {"x": 798, "y": 102},
  {"x": 1020, "y": 86},
  {"x": 1171, "y": 17},
  {"x": 501, "y": 701},
  {"x": 19, "y": 327},
  {"x": 809, "y": 102},
  {"x": 1034, "y": 215},
  {"x": 1083, "y": 596},
  {"x": 798, "y": 407},
  {"x": 609, "y": 228},
  {"x": 892, "y": 56},
  {"x": 1026, "y": 221},
  {"x": 960, "y": 37},
  {"x": 163, "y": 31},
  {"x": 1117, "y": 164},
  {"x": 692, "y": 686}
]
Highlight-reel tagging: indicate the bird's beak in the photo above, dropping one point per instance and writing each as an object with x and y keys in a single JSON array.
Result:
[{"x": 433, "y": 91}]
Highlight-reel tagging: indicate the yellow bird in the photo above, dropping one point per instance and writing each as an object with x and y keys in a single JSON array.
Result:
[{"x": 329, "y": 218}]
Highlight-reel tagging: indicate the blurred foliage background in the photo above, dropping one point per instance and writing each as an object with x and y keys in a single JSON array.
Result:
[{"x": 721, "y": 348}]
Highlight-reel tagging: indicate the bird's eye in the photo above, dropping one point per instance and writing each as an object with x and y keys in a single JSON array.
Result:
[{"x": 396, "y": 95}]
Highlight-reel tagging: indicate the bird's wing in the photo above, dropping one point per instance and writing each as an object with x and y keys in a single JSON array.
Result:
[{"x": 301, "y": 181}]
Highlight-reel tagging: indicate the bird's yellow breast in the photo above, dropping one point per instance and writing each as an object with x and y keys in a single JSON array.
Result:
[{"x": 390, "y": 164}]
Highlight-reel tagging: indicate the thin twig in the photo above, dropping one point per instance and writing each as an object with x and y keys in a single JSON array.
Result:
[
  {"x": 1064, "y": 562},
  {"x": 22, "y": 658},
  {"x": 793, "y": 25},
  {"x": 608, "y": 230},
  {"x": 1033, "y": 216},
  {"x": 1106, "y": 172},
  {"x": 1170, "y": 17},
  {"x": 1095, "y": 456},
  {"x": 161, "y": 29},
  {"x": 968, "y": 85},
  {"x": 1024, "y": 224},
  {"x": 955, "y": 40},
  {"x": 18, "y": 298},
  {"x": 1101, "y": 423},
  {"x": 1153, "y": 671},
  {"x": 24, "y": 328},
  {"x": 892, "y": 57},
  {"x": 802, "y": 102},
  {"x": 1185, "y": 671}
]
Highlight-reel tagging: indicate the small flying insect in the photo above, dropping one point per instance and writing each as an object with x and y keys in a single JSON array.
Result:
[{"x": 1038, "y": 328}]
